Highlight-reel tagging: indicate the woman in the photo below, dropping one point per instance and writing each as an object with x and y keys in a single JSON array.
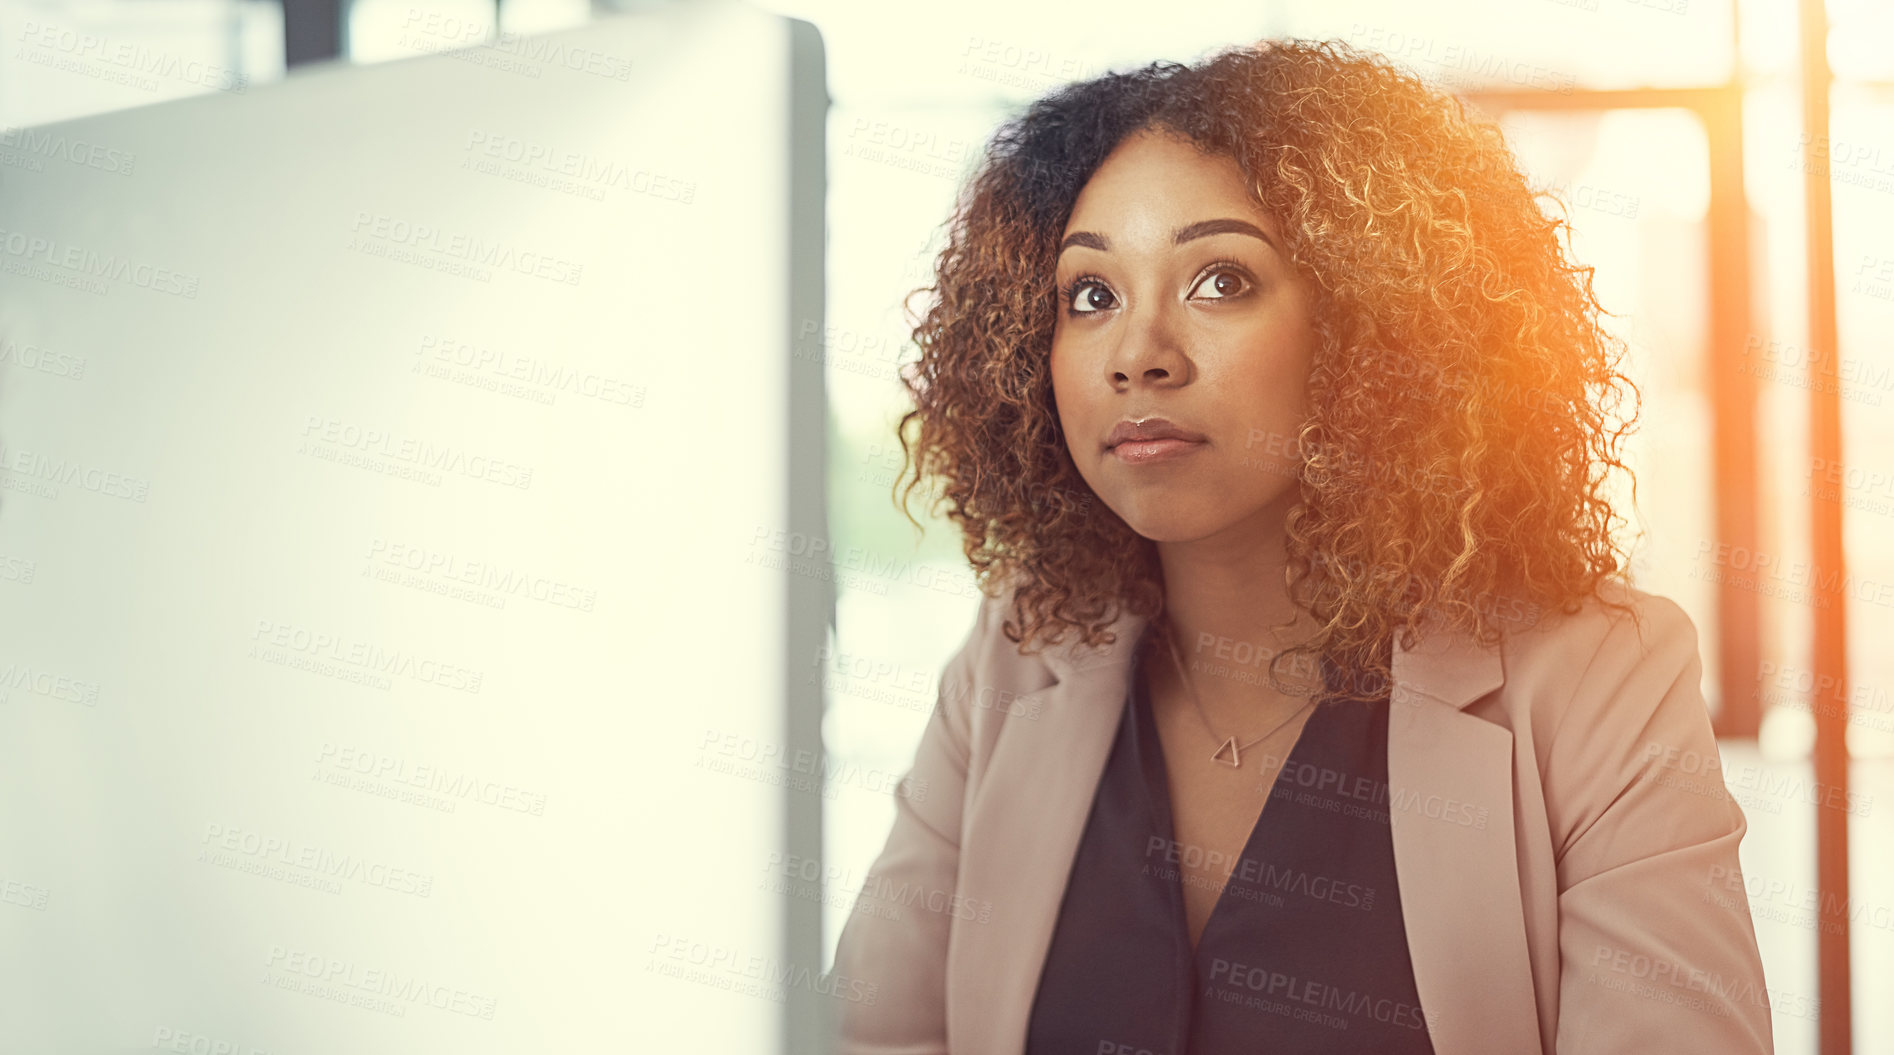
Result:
[{"x": 1338, "y": 727}]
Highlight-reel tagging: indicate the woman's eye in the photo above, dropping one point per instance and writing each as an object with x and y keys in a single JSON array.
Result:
[
  {"x": 1225, "y": 282},
  {"x": 1089, "y": 293}
]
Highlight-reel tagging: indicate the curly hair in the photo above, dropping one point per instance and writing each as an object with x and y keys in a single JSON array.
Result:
[{"x": 1463, "y": 397}]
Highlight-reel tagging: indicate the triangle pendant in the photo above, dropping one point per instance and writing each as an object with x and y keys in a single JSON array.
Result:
[{"x": 1227, "y": 754}]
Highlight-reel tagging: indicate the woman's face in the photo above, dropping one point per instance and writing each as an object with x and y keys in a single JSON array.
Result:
[{"x": 1174, "y": 307}]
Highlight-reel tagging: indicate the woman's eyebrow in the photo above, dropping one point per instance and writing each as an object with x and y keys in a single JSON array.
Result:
[{"x": 1189, "y": 232}]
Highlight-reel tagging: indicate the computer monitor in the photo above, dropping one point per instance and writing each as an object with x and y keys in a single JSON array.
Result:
[{"x": 410, "y": 504}]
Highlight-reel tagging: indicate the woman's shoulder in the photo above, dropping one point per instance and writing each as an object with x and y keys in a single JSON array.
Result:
[
  {"x": 1610, "y": 700},
  {"x": 1616, "y": 679},
  {"x": 1617, "y": 626}
]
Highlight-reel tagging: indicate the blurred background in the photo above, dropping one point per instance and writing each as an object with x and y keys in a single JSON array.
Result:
[{"x": 1671, "y": 133}]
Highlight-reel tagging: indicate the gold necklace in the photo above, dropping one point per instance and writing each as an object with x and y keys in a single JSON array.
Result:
[{"x": 1228, "y": 752}]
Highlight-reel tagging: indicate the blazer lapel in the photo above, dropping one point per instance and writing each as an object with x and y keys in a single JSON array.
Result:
[
  {"x": 1450, "y": 803},
  {"x": 1021, "y": 834},
  {"x": 1450, "y": 783}
]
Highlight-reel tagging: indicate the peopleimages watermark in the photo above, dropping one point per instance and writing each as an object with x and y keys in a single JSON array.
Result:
[
  {"x": 1462, "y": 63},
  {"x": 805, "y": 876},
  {"x": 62, "y": 47},
  {"x": 49, "y": 260},
  {"x": 23, "y": 677},
  {"x": 1802, "y": 688},
  {"x": 1021, "y": 66},
  {"x": 1255, "y": 879},
  {"x": 750, "y": 975},
  {"x": 23, "y": 894},
  {"x": 1117, "y": 1047},
  {"x": 18, "y": 569},
  {"x": 589, "y": 176},
  {"x": 185, "y": 1042},
  {"x": 380, "y": 235},
  {"x": 912, "y": 688},
  {"x": 510, "y": 373},
  {"x": 422, "y": 26},
  {"x": 1749, "y": 778},
  {"x": 1497, "y": 606},
  {"x": 1803, "y": 582},
  {"x": 247, "y": 850},
  {"x": 41, "y": 360},
  {"x": 1672, "y": 982},
  {"x": 279, "y": 642},
  {"x": 1794, "y": 903},
  {"x": 502, "y": 582},
  {"x": 37, "y": 144},
  {"x": 1237, "y": 654},
  {"x": 1283, "y": 454},
  {"x": 1800, "y": 367},
  {"x": 1271, "y": 990},
  {"x": 912, "y": 149},
  {"x": 452, "y": 785},
  {"x": 370, "y": 447},
  {"x": 1332, "y": 789},
  {"x": 859, "y": 568},
  {"x": 43, "y": 474},
  {"x": 1863, "y": 164},
  {"x": 741, "y": 755},
  {"x": 349, "y": 980}
]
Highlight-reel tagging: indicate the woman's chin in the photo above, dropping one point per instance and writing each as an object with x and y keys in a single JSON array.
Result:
[
  {"x": 1169, "y": 525},
  {"x": 1196, "y": 516}
]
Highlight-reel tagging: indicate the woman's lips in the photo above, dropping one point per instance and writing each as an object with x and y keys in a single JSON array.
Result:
[{"x": 1142, "y": 452}]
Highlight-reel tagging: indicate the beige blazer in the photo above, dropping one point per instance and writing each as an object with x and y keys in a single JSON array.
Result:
[{"x": 1565, "y": 849}]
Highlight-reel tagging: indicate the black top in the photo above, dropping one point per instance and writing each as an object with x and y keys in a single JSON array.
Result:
[{"x": 1304, "y": 952}]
